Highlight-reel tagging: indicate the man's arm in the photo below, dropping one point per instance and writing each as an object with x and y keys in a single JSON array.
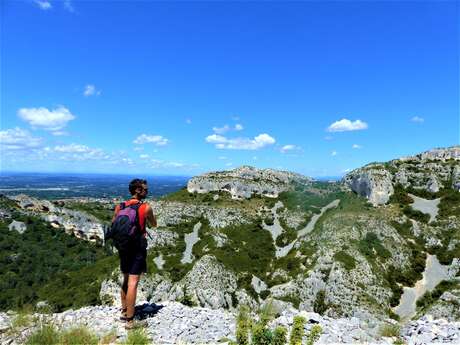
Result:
[
  {"x": 117, "y": 208},
  {"x": 150, "y": 217}
]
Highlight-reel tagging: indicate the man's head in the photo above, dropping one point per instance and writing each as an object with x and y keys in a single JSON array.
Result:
[{"x": 138, "y": 188}]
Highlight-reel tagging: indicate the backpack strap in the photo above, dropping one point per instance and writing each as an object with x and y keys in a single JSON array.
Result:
[{"x": 122, "y": 205}]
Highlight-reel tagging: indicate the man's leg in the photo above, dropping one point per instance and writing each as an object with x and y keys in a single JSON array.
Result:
[
  {"x": 133, "y": 281},
  {"x": 124, "y": 290}
]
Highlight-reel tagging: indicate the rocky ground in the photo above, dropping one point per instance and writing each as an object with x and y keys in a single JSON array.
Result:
[{"x": 173, "y": 323}]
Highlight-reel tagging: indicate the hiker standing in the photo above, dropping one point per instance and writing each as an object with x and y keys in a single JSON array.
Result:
[{"x": 133, "y": 256}]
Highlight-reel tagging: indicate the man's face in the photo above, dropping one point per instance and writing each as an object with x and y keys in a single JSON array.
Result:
[{"x": 143, "y": 191}]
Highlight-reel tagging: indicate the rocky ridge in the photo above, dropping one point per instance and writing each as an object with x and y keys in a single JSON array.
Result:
[
  {"x": 245, "y": 181},
  {"x": 430, "y": 171},
  {"x": 173, "y": 323}
]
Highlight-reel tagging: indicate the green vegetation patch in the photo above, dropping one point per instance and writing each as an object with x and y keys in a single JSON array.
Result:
[
  {"x": 431, "y": 297},
  {"x": 310, "y": 198},
  {"x": 32, "y": 264},
  {"x": 371, "y": 247},
  {"x": 98, "y": 210},
  {"x": 347, "y": 260}
]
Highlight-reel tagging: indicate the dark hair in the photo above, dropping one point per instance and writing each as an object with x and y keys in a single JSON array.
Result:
[{"x": 136, "y": 183}]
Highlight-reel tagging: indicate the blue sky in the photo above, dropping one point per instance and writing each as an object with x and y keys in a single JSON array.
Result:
[{"x": 187, "y": 87}]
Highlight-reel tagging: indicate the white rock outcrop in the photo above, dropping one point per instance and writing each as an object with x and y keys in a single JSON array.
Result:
[{"x": 245, "y": 181}]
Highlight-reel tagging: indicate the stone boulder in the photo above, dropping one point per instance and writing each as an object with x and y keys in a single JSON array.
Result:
[{"x": 374, "y": 183}]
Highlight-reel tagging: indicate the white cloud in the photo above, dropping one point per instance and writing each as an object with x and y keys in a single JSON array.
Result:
[
  {"x": 226, "y": 128},
  {"x": 72, "y": 148},
  {"x": 138, "y": 148},
  {"x": 235, "y": 118},
  {"x": 417, "y": 119},
  {"x": 43, "y": 4},
  {"x": 59, "y": 133},
  {"x": 258, "y": 142},
  {"x": 90, "y": 90},
  {"x": 43, "y": 118},
  {"x": 229, "y": 164},
  {"x": 144, "y": 156},
  {"x": 157, "y": 140},
  {"x": 69, "y": 6},
  {"x": 188, "y": 121},
  {"x": 221, "y": 130},
  {"x": 328, "y": 137},
  {"x": 334, "y": 153},
  {"x": 345, "y": 125},
  {"x": 222, "y": 157},
  {"x": 356, "y": 146},
  {"x": 255, "y": 158},
  {"x": 346, "y": 170},
  {"x": 287, "y": 148},
  {"x": 18, "y": 139}
]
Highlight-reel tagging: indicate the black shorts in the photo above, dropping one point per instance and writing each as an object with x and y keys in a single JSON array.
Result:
[{"x": 134, "y": 261}]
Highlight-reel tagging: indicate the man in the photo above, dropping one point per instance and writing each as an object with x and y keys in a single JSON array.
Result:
[{"x": 133, "y": 262}]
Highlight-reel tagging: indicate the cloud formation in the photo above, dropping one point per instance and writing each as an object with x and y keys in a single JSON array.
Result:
[
  {"x": 258, "y": 142},
  {"x": 18, "y": 139},
  {"x": 43, "y": 4},
  {"x": 50, "y": 120},
  {"x": 289, "y": 148},
  {"x": 157, "y": 140},
  {"x": 417, "y": 119},
  {"x": 356, "y": 146},
  {"x": 345, "y": 125},
  {"x": 90, "y": 90},
  {"x": 226, "y": 128}
]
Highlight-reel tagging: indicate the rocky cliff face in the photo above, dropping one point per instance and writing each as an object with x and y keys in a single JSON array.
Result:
[
  {"x": 430, "y": 171},
  {"x": 81, "y": 224},
  {"x": 245, "y": 181}
]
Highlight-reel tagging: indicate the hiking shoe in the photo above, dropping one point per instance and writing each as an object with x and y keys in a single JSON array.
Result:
[
  {"x": 135, "y": 324},
  {"x": 123, "y": 316}
]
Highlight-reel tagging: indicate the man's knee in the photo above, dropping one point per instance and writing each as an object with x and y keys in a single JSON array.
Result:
[{"x": 133, "y": 280}]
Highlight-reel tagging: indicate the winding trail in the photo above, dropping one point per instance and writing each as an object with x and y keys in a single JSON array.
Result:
[
  {"x": 434, "y": 273},
  {"x": 276, "y": 229},
  {"x": 190, "y": 240}
]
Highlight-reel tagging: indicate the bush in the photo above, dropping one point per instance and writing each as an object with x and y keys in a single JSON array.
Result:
[
  {"x": 348, "y": 261},
  {"x": 314, "y": 335},
  {"x": 78, "y": 336},
  {"x": 297, "y": 331},
  {"x": 47, "y": 334},
  {"x": 137, "y": 337},
  {"x": 431, "y": 296},
  {"x": 320, "y": 306},
  {"x": 267, "y": 313},
  {"x": 400, "y": 196},
  {"x": 390, "y": 330},
  {"x": 243, "y": 325},
  {"x": 417, "y": 215},
  {"x": 279, "y": 336},
  {"x": 261, "y": 335},
  {"x": 372, "y": 243}
]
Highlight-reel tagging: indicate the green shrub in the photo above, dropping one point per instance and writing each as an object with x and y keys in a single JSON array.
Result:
[
  {"x": 389, "y": 330},
  {"x": 279, "y": 336},
  {"x": 261, "y": 335},
  {"x": 320, "y": 306},
  {"x": 267, "y": 313},
  {"x": 431, "y": 296},
  {"x": 314, "y": 335},
  {"x": 297, "y": 331},
  {"x": 47, "y": 334},
  {"x": 137, "y": 337},
  {"x": 372, "y": 243},
  {"x": 415, "y": 214},
  {"x": 348, "y": 261},
  {"x": 243, "y": 325},
  {"x": 78, "y": 336},
  {"x": 400, "y": 196}
]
